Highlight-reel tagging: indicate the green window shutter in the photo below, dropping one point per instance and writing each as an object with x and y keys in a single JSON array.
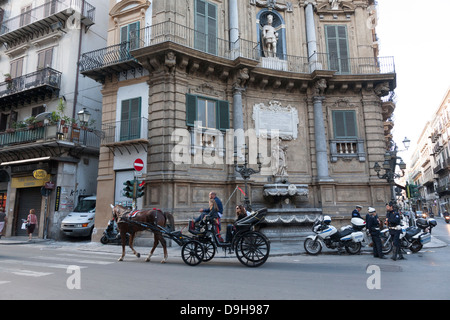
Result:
[
  {"x": 223, "y": 115},
  {"x": 130, "y": 119},
  {"x": 344, "y": 123},
  {"x": 205, "y": 26},
  {"x": 337, "y": 48},
  {"x": 191, "y": 109}
]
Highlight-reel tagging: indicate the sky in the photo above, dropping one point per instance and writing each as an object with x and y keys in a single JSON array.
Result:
[{"x": 416, "y": 34}]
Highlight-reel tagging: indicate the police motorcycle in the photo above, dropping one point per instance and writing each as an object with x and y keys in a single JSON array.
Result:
[
  {"x": 348, "y": 237},
  {"x": 412, "y": 238},
  {"x": 112, "y": 234}
]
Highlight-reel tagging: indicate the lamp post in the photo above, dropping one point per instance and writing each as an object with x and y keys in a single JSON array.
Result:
[
  {"x": 84, "y": 116},
  {"x": 246, "y": 172},
  {"x": 391, "y": 161}
]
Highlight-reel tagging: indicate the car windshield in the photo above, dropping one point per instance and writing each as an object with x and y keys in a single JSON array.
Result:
[{"x": 85, "y": 206}]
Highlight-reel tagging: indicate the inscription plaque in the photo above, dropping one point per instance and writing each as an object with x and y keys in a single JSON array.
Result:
[{"x": 275, "y": 118}]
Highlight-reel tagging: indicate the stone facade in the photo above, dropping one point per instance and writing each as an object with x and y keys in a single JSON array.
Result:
[{"x": 325, "y": 68}]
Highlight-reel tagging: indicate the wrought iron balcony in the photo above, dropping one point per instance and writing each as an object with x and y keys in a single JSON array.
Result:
[
  {"x": 19, "y": 138},
  {"x": 172, "y": 32},
  {"x": 30, "y": 87},
  {"x": 48, "y": 16},
  {"x": 116, "y": 58},
  {"x": 113, "y": 59}
]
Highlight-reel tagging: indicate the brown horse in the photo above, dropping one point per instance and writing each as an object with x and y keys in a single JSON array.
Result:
[{"x": 154, "y": 217}]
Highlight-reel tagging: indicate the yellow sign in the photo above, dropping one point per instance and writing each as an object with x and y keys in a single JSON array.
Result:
[
  {"x": 28, "y": 182},
  {"x": 39, "y": 174}
]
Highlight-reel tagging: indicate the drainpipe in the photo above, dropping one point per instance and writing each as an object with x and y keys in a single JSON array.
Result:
[{"x": 75, "y": 100}]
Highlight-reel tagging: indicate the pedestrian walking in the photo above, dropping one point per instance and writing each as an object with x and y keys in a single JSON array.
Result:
[
  {"x": 373, "y": 225},
  {"x": 393, "y": 220},
  {"x": 31, "y": 223}
]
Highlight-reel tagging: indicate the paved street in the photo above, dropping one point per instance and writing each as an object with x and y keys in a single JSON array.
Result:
[{"x": 85, "y": 270}]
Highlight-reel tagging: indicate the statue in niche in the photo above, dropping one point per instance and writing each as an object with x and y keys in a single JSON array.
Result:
[
  {"x": 279, "y": 158},
  {"x": 334, "y": 4},
  {"x": 270, "y": 38}
]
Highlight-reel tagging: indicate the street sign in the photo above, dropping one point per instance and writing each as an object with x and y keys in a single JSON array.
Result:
[{"x": 138, "y": 164}]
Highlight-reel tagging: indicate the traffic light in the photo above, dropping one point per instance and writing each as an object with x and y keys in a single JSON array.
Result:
[
  {"x": 140, "y": 189},
  {"x": 128, "y": 189},
  {"x": 412, "y": 191}
]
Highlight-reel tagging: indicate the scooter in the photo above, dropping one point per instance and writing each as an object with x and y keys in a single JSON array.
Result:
[
  {"x": 412, "y": 238},
  {"x": 447, "y": 218},
  {"x": 112, "y": 234},
  {"x": 349, "y": 237}
]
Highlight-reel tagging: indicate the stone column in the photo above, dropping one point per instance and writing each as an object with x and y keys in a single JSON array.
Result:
[
  {"x": 320, "y": 140},
  {"x": 311, "y": 36},
  {"x": 234, "y": 26}
]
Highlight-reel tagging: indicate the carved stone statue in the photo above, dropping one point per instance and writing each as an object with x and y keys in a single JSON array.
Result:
[
  {"x": 270, "y": 38},
  {"x": 319, "y": 87},
  {"x": 382, "y": 89},
  {"x": 170, "y": 62},
  {"x": 279, "y": 158},
  {"x": 242, "y": 77},
  {"x": 334, "y": 4}
]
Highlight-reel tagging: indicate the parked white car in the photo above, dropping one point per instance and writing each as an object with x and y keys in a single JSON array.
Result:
[{"x": 80, "y": 222}]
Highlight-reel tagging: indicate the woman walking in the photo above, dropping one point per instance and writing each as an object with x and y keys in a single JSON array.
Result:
[{"x": 31, "y": 223}]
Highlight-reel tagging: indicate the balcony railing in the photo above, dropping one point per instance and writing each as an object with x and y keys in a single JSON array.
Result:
[
  {"x": 46, "y": 76},
  {"x": 125, "y": 130},
  {"x": 347, "y": 148},
  {"x": 106, "y": 57},
  {"x": 169, "y": 31},
  {"x": 182, "y": 35},
  {"x": 46, "y": 10},
  {"x": 78, "y": 136}
]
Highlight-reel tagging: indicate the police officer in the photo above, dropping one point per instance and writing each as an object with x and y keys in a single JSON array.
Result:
[
  {"x": 355, "y": 213},
  {"x": 394, "y": 223},
  {"x": 373, "y": 225}
]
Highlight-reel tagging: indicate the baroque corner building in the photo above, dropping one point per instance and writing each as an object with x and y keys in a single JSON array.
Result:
[{"x": 305, "y": 76}]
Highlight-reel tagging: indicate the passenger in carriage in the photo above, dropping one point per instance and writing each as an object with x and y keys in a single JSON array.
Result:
[
  {"x": 231, "y": 228},
  {"x": 212, "y": 196}
]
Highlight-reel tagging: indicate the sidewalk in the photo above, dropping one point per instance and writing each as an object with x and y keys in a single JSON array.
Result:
[{"x": 277, "y": 248}]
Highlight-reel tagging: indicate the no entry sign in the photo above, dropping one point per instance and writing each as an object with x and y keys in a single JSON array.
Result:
[{"x": 138, "y": 164}]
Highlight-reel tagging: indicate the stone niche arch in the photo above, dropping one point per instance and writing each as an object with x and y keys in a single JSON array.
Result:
[{"x": 280, "y": 27}]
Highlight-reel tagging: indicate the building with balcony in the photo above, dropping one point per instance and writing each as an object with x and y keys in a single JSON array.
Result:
[
  {"x": 190, "y": 78},
  {"x": 41, "y": 94}
]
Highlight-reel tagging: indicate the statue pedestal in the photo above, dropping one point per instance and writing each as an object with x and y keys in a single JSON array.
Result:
[{"x": 274, "y": 63}]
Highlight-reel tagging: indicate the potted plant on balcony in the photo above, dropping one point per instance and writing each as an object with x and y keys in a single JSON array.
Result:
[
  {"x": 30, "y": 122},
  {"x": 7, "y": 77}
]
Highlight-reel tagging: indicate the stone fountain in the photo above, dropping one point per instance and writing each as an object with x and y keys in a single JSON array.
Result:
[{"x": 288, "y": 215}]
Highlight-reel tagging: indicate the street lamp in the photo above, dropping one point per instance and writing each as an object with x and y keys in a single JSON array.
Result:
[
  {"x": 246, "y": 172},
  {"x": 391, "y": 161},
  {"x": 84, "y": 116}
]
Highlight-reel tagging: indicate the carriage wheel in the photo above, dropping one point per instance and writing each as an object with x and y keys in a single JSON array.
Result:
[
  {"x": 209, "y": 249},
  {"x": 252, "y": 249},
  {"x": 192, "y": 253}
]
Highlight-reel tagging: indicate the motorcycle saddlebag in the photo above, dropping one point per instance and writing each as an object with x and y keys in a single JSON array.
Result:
[
  {"x": 357, "y": 236},
  {"x": 422, "y": 223},
  {"x": 358, "y": 224},
  {"x": 425, "y": 238}
]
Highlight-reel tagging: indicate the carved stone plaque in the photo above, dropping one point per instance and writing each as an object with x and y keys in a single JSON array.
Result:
[{"x": 275, "y": 118}]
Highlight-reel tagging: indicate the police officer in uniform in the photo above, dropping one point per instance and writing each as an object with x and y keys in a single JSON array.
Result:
[
  {"x": 355, "y": 213},
  {"x": 393, "y": 221},
  {"x": 373, "y": 225}
]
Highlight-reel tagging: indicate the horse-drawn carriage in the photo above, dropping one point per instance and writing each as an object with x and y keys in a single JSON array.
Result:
[{"x": 250, "y": 246}]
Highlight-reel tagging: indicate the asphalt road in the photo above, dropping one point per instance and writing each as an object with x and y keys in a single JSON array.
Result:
[{"x": 70, "y": 272}]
